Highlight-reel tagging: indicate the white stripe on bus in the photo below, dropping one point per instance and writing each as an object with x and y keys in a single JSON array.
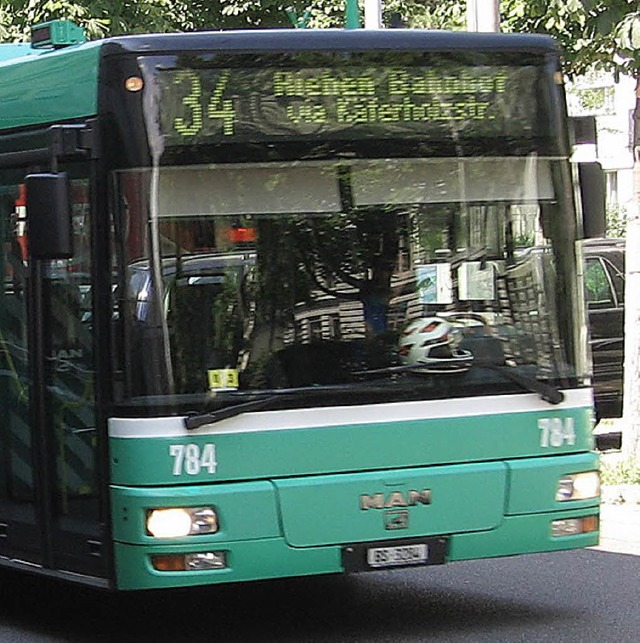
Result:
[{"x": 319, "y": 417}]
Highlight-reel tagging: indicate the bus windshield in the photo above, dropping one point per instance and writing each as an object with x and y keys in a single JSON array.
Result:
[
  {"x": 363, "y": 226},
  {"x": 427, "y": 277}
]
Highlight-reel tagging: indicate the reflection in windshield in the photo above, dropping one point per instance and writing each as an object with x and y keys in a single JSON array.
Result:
[{"x": 278, "y": 276}]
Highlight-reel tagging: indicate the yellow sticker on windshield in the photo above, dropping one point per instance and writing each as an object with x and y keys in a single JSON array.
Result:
[{"x": 222, "y": 379}]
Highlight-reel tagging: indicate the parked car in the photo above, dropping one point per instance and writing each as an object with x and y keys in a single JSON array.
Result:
[{"x": 605, "y": 280}]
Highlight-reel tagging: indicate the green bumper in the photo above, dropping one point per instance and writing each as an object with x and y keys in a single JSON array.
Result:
[{"x": 300, "y": 526}]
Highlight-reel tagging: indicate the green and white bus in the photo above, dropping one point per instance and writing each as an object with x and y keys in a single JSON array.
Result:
[{"x": 283, "y": 303}]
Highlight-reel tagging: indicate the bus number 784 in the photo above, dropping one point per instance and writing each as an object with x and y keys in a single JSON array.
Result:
[{"x": 192, "y": 460}]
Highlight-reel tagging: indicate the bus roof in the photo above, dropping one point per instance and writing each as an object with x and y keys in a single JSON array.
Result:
[
  {"x": 298, "y": 39},
  {"x": 14, "y": 50},
  {"x": 39, "y": 86},
  {"x": 335, "y": 39}
]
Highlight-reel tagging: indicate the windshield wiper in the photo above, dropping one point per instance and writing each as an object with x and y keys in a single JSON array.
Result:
[
  {"x": 197, "y": 420},
  {"x": 547, "y": 392},
  {"x": 265, "y": 399},
  {"x": 193, "y": 421}
]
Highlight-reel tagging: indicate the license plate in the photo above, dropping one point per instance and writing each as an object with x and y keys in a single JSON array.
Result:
[
  {"x": 378, "y": 557},
  {"x": 367, "y": 557}
]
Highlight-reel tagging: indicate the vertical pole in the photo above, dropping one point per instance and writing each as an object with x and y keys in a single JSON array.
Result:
[
  {"x": 373, "y": 14},
  {"x": 352, "y": 15},
  {"x": 631, "y": 395},
  {"x": 483, "y": 15}
]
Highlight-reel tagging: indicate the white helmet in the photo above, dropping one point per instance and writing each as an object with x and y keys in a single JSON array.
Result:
[{"x": 431, "y": 343}]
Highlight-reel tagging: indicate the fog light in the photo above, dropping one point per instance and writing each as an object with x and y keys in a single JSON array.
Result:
[
  {"x": 196, "y": 562},
  {"x": 181, "y": 521},
  {"x": 574, "y": 526},
  {"x": 206, "y": 560},
  {"x": 578, "y": 486}
]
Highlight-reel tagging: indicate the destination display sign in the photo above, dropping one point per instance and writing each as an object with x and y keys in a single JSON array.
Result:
[{"x": 349, "y": 103}]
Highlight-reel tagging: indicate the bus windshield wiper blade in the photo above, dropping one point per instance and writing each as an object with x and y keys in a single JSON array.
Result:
[
  {"x": 264, "y": 399},
  {"x": 196, "y": 421},
  {"x": 547, "y": 392}
]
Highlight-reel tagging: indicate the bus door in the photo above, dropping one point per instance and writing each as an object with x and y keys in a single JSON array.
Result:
[
  {"x": 20, "y": 537},
  {"x": 48, "y": 489}
]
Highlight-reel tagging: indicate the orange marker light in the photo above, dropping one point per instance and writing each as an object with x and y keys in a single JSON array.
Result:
[{"x": 242, "y": 235}]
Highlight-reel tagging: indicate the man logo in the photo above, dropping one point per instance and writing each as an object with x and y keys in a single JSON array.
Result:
[
  {"x": 395, "y": 499},
  {"x": 396, "y": 519}
]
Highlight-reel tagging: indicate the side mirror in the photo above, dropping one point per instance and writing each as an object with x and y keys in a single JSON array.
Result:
[
  {"x": 49, "y": 224},
  {"x": 592, "y": 194}
]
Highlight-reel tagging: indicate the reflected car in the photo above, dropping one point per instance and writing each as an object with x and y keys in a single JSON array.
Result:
[{"x": 604, "y": 283}]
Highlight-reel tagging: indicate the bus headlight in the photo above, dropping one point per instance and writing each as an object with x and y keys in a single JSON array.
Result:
[
  {"x": 181, "y": 521},
  {"x": 578, "y": 486}
]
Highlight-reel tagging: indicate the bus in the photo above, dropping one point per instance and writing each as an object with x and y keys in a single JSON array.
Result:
[{"x": 288, "y": 302}]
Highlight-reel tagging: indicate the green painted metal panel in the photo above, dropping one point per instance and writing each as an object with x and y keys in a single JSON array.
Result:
[
  {"x": 320, "y": 514},
  {"x": 534, "y": 482},
  {"x": 522, "y": 535},
  {"x": 273, "y": 558},
  {"x": 249, "y": 560},
  {"x": 11, "y": 51},
  {"x": 246, "y": 511},
  {"x": 56, "y": 85},
  {"x": 356, "y": 447},
  {"x": 351, "y": 508}
]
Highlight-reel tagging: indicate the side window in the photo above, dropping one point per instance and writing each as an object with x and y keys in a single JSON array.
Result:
[{"x": 599, "y": 292}]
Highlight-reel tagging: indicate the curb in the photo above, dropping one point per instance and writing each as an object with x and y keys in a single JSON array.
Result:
[
  {"x": 618, "y": 494},
  {"x": 620, "y": 529},
  {"x": 620, "y": 519}
]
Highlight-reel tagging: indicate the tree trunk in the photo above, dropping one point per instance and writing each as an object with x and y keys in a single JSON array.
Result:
[{"x": 631, "y": 413}]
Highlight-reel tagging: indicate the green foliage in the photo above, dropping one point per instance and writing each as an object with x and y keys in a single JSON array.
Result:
[
  {"x": 99, "y": 18},
  {"x": 625, "y": 472},
  {"x": 616, "y": 221},
  {"x": 596, "y": 283},
  {"x": 589, "y": 31},
  {"x": 595, "y": 99},
  {"x": 433, "y": 14},
  {"x": 102, "y": 18}
]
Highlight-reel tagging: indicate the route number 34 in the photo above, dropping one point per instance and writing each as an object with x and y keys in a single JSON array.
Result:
[
  {"x": 192, "y": 460},
  {"x": 557, "y": 432}
]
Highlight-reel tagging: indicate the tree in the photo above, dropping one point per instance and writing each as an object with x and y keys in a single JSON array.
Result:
[{"x": 113, "y": 17}]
